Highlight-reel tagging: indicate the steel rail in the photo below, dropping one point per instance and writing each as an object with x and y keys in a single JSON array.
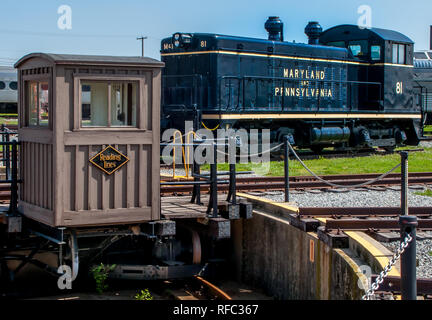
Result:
[
  {"x": 392, "y": 284},
  {"x": 361, "y": 212},
  {"x": 306, "y": 182},
  {"x": 366, "y": 224},
  {"x": 213, "y": 289}
]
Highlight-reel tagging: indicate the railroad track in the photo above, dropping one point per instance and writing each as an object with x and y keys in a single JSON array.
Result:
[
  {"x": 197, "y": 288},
  {"x": 304, "y": 182}
]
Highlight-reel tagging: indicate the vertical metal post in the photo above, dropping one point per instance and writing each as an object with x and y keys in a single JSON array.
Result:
[
  {"x": 13, "y": 206},
  {"x": 196, "y": 193},
  {"x": 232, "y": 184},
  {"x": 232, "y": 197},
  {"x": 286, "y": 168},
  {"x": 213, "y": 175},
  {"x": 6, "y": 155},
  {"x": 404, "y": 181},
  {"x": 408, "y": 225}
]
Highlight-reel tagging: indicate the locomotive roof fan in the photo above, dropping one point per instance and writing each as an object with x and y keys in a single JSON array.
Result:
[
  {"x": 313, "y": 30},
  {"x": 274, "y": 27}
]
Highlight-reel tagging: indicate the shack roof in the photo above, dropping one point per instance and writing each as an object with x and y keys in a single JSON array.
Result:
[{"x": 55, "y": 58}]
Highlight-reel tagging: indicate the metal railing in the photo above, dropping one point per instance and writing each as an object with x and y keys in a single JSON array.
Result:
[
  {"x": 210, "y": 178},
  {"x": 9, "y": 150},
  {"x": 240, "y": 88}
]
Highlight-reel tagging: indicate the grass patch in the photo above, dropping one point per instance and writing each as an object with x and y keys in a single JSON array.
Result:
[
  {"x": 9, "y": 115},
  {"x": 8, "y": 121},
  {"x": 427, "y": 193},
  {"x": 418, "y": 162},
  {"x": 427, "y": 130}
]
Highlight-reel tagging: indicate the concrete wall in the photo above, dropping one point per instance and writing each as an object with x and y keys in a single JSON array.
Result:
[{"x": 291, "y": 264}]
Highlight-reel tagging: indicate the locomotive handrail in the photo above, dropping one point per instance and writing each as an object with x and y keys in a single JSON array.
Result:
[
  {"x": 283, "y": 78},
  {"x": 241, "y": 87}
]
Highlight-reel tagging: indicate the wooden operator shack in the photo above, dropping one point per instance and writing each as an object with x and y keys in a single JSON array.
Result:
[{"x": 89, "y": 128}]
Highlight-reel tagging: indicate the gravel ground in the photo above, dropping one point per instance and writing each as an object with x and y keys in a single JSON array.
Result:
[
  {"x": 425, "y": 144},
  {"x": 363, "y": 198},
  {"x": 424, "y": 256}
]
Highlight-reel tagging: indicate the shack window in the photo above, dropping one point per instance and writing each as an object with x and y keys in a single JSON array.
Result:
[
  {"x": 37, "y": 103},
  {"x": 108, "y": 104}
]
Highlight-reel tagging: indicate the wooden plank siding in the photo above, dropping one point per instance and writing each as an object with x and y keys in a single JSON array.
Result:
[
  {"x": 61, "y": 187},
  {"x": 37, "y": 182},
  {"x": 89, "y": 190}
]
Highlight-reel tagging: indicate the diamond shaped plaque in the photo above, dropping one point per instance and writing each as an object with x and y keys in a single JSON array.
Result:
[{"x": 109, "y": 160}]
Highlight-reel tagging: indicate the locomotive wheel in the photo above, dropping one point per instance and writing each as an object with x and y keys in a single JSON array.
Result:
[
  {"x": 317, "y": 149},
  {"x": 196, "y": 247}
]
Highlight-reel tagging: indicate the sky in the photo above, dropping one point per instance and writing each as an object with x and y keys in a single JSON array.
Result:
[{"x": 111, "y": 27}]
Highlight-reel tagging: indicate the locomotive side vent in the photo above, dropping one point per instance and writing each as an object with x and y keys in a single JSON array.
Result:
[{"x": 274, "y": 27}]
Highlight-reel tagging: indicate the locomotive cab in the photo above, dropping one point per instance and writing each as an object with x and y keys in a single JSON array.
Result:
[{"x": 388, "y": 60}]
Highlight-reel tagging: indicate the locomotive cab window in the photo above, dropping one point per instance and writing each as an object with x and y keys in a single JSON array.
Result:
[
  {"x": 108, "y": 103},
  {"x": 375, "y": 52},
  {"x": 398, "y": 53},
  {"x": 37, "y": 93},
  {"x": 359, "y": 48}
]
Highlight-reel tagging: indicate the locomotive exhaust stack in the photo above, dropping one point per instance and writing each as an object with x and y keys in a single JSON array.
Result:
[
  {"x": 274, "y": 27},
  {"x": 313, "y": 30}
]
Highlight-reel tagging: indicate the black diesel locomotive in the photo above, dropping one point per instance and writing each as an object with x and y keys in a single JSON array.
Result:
[{"x": 348, "y": 87}]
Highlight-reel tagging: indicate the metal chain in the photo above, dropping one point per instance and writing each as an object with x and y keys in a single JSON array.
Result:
[
  {"x": 255, "y": 154},
  {"x": 403, "y": 245},
  {"x": 339, "y": 185}
]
